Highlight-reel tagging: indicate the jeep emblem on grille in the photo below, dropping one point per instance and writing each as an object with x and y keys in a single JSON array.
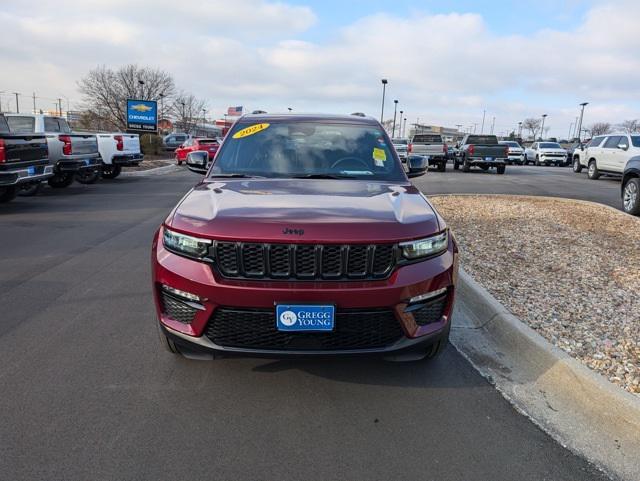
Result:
[{"x": 289, "y": 231}]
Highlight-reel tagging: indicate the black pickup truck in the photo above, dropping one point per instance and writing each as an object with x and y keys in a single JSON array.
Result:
[
  {"x": 23, "y": 161},
  {"x": 482, "y": 151}
]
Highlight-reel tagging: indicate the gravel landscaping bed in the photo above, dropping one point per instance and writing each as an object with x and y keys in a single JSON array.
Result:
[{"x": 570, "y": 270}]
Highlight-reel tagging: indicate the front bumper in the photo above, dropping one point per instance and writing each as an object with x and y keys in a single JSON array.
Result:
[
  {"x": 26, "y": 175},
  {"x": 390, "y": 295}
]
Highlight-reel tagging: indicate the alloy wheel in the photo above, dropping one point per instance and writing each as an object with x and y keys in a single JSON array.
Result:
[{"x": 630, "y": 196}]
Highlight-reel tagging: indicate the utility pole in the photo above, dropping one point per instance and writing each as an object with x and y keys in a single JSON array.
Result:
[
  {"x": 17, "y": 102},
  {"x": 384, "y": 90},
  {"x": 60, "y": 105},
  {"x": 484, "y": 112},
  {"x": 34, "y": 102},
  {"x": 583, "y": 105},
  {"x": 474, "y": 127},
  {"x": 493, "y": 124},
  {"x": 395, "y": 111}
]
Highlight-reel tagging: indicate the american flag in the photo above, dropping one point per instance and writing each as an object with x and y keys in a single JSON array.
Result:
[{"x": 233, "y": 111}]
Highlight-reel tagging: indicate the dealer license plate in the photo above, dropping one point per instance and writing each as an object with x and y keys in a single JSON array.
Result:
[{"x": 305, "y": 317}]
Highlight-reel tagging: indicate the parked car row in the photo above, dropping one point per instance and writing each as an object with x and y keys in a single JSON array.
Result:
[
  {"x": 35, "y": 148},
  {"x": 616, "y": 155}
]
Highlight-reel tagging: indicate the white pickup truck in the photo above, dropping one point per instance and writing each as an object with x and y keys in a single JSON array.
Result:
[
  {"x": 118, "y": 150},
  {"x": 432, "y": 146},
  {"x": 71, "y": 154}
]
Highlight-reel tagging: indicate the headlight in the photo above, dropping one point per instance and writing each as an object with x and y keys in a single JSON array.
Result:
[
  {"x": 425, "y": 247},
  {"x": 186, "y": 244}
]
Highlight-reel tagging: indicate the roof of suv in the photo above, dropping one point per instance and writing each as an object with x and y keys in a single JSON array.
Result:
[{"x": 355, "y": 119}]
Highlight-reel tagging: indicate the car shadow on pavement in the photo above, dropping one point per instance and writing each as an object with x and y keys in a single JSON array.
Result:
[{"x": 380, "y": 372}]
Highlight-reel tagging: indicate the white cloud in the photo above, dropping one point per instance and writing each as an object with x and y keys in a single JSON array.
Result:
[{"x": 443, "y": 68}]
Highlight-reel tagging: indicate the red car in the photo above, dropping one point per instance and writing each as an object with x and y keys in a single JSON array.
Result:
[
  {"x": 305, "y": 238},
  {"x": 191, "y": 145}
]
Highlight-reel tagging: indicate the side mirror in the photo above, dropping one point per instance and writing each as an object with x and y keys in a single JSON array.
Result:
[
  {"x": 197, "y": 162},
  {"x": 417, "y": 165},
  {"x": 623, "y": 146}
]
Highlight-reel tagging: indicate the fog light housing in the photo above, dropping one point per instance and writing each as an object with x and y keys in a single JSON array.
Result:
[
  {"x": 427, "y": 296},
  {"x": 182, "y": 294}
]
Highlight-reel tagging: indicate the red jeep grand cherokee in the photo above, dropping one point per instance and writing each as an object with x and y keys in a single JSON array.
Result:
[{"x": 305, "y": 238}]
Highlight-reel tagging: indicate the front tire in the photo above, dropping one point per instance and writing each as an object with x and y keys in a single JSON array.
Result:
[
  {"x": 437, "y": 347},
  {"x": 111, "y": 171},
  {"x": 88, "y": 176},
  {"x": 577, "y": 166},
  {"x": 61, "y": 180},
  {"x": 593, "y": 173},
  {"x": 501, "y": 169},
  {"x": 7, "y": 194},
  {"x": 537, "y": 162},
  {"x": 631, "y": 196}
]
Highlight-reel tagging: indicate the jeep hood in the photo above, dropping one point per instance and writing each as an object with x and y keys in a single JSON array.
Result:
[{"x": 305, "y": 210}]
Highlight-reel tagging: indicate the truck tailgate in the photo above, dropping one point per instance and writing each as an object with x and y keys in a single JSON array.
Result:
[
  {"x": 24, "y": 148},
  {"x": 131, "y": 143},
  {"x": 422, "y": 149},
  {"x": 494, "y": 151},
  {"x": 83, "y": 144}
]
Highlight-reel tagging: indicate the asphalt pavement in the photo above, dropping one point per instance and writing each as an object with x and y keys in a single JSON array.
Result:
[
  {"x": 524, "y": 180},
  {"x": 88, "y": 394}
]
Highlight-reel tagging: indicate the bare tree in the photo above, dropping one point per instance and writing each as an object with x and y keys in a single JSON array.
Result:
[
  {"x": 630, "y": 126},
  {"x": 187, "y": 109},
  {"x": 532, "y": 125},
  {"x": 106, "y": 91},
  {"x": 600, "y": 128}
]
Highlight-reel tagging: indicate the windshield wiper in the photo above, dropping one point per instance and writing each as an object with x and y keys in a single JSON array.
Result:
[{"x": 323, "y": 176}]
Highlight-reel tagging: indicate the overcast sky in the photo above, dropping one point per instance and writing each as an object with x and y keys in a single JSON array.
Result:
[{"x": 446, "y": 61}]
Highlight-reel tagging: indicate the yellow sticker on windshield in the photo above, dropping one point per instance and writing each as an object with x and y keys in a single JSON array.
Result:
[
  {"x": 379, "y": 155},
  {"x": 254, "y": 129}
]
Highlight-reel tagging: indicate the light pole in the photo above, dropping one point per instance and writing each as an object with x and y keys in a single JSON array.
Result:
[
  {"x": 17, "y": 103},
  {"x": 544, "y": 116},
  {"x": 484, "y": 112},
  {"x": 395, "y": 112},
  {"x": 161, "y": 107},
  {"x": 519, "y": 130},
  {"x": 184, "y": 123},
  {"x": 493, "y": 124},
  {"x": 400, "y": 126},
  {"x": 404, "y": 126},
  {"x": 289, "y": 109},
  {"x": 141, "y": 84},
  {"x": 583, "y": 105},
  {"x": 384, "y": 91},
  {"x": 569, "y": 134},
  {"x": 474, "y": 127},
  {"x": 204, "y": 121}
]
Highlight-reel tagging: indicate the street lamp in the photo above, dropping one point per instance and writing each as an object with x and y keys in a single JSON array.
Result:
[
  {"x": 289, "y": 109},
  {"x": 544, "y": 116},
  {"x": 583, "y": 105},
  {"x": 184, "y": 123},
  {"x": 141, "y": 83},
  {"x": 161, "y": 106},
  {"x": 484, "y": 112},
  {"x": 519, "y": 130},
  {"x": 384, "y": 90},
  {"x": 400, "y": 126},
  {"x": 395, "y": 111}
]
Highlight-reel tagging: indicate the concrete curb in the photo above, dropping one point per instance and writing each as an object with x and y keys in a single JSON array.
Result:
[
  {"x": 578, "y": 407},
  {"x": 155, "y": 171}
]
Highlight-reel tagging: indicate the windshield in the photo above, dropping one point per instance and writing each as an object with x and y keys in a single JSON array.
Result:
[
  {"x": 207, "y": 141},
  {"x": 510, "y": 144},
  {"x": 400, "y": 141},
  {"x": 427, "y": 139},
  {"x": 550, "y": 145},
  {"x": 305, "y": 149}
]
